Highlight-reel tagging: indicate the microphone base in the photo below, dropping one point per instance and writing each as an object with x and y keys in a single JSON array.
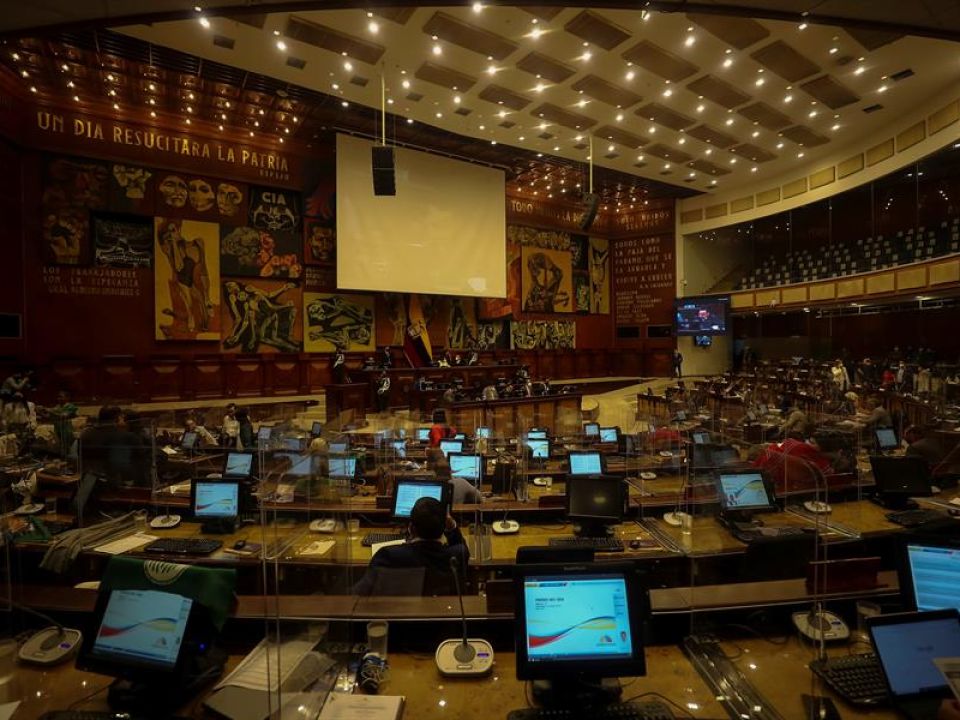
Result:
[
  {"x": 823, "y": 624},
  {"x": 449, "y": 666},
  {"x": 34, "y": 652}
]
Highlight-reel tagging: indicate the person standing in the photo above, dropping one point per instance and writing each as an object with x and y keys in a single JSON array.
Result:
[
  {"x": 231, "y": 428},
  {"x": 677, "y": 363}
]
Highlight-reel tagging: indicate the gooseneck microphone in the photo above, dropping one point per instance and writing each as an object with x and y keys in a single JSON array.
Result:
[{"x": 463, "y": 656}]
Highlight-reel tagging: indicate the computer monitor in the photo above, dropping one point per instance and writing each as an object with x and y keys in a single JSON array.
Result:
[
  {"x": 724, "y": 456},
  {"x": 897, "y": 479},
  {"x": 316, "y": 429},
  {"x": 189, "y": 440},
  {"x": 423, "y": 434},
  {"x": 407, "y": 492},
  {"x": 701, "y": 457},
  {"x": 449, "y": 445},
  {"x": 744, "y": 492},
  {"x": 338, "y": 447},
  {"x": 701, "y": 438},
  {"x": 294, "y": 444},
  {"x": 466, "y": 465},
  {"x": 263, "y": 434},
  {"x": 483, "y": 432},
  {"x": 577, "y": 623},
  {"x": 460, "y": 436},
  {"x": 539, "y": 448},
  {"x": 886, "y": 439},
  {"x": 215, "y": 499},
  {"x": 929, "y": 573},
  {"x": 238, "y": 465},
  {"x": 342, "y": 466},
  {"x": 399, "y": 447},
  {"x": 591, "y": 430},
  {"x": 609, "y": 434},
  {"x": 585, "y": 462},
  {"x": 536, "y": 435},
  {"x": 300, "y": 465},
  {"x": 595, "y": 503},
  {"x": 681, "y": 416}
]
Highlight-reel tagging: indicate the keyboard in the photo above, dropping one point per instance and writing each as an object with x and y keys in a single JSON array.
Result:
[
  {"x": 183, "y": 546},
  {"x": 913, "y": 518},
  {"x": 599, "y": 544},
  {"x": 379, "y": 537},
  {"x": 764, "y": 532},
  {"x": 650, "y": 710},
  {"x": 858, "y": 679}
]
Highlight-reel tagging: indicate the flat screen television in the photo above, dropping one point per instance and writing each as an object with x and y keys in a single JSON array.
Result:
[{"x": 701, "y": 316}]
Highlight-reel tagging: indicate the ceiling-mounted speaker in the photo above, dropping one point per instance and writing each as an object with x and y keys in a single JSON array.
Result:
[
  {"x": 591, "y": 202},
  {"x": 384, "y": 176}
]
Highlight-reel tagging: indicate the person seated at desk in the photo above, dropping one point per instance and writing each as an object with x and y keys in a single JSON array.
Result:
[
  {"x": 795, "y": 425},
  {"x": 440, "y": 430},
  {"x": 464, "y": 493},
  {"x": 878, "y": 417},
  {"x": 394, "y": 566},
  {"x": 111, "y": 452},
  {"x": 792, "y": 464},
  {"x": 204, "y": 437},
  {"x": 923, "y": 443},
  {"x": 62, "y": 415}
]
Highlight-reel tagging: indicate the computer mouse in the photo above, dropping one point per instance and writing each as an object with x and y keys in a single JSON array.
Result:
[
  {"x": 817, "y": 507},
  {"x": 239, "y": 544},
  {"x": 323, "y": 526}
]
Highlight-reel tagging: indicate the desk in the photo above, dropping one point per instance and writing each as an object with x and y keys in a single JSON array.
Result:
[{"x": 511, "y": 416}]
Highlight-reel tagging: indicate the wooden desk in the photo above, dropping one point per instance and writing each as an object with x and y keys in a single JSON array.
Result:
[{"x": 509, "y": 417}]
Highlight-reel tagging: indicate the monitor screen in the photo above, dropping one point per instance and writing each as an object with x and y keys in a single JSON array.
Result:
[
  {"x": 934, "y": 576},
  {"x": 681, "y": 416},
  {"x": 585, "y": 463},
  {"x": 609, "y": 434},
  {"x": 743, "y": 491},
  {"x": 300, "y": 465},
  {"x": 483, "y": 432},
  {"x": 591, "y": 429},
  {"x": 408, "y": 492},
  {"x": 701, "y": 456},
  {"x": 465, "y": 466},
  {"x": 263, "y": 434},
  {"x": 578, "y": 620},
  {"x": 901, "y": 475},
  {"x": 339, "y": 447},
  {"x": 701, "y": 438},
  {"x": 343, "y": 466},
  {"x": 399, "y": 447},
  {"x": 238, "y": 465},
  {"x": 702, "y": 341},
  {"x": 701, "y": 316},
  {"x": 724, "y": 456},
  {"x": 317, "y": 429},
  {"x": 215, "y": 499},
  {"x": 292, "y": 443},
  {"x": 597, "y": 499},
  {"x": 886, "y": 438},
  {"x": 142, "y": 627},
  {"x": 423, "y": 434},
  {"x": 537, "y": 435},
  {"x": 460, "y": 436},
  {"x": 539, "y": 448},
  {"x": 907, "y": 649},
  {"x": 189, "y": 440},
  {"x": 448, "y": 446}
]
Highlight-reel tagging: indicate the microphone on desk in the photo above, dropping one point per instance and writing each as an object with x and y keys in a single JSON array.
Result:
[
  {"x": 463, "y": 657},
  {"x": 51, "y": 645}
]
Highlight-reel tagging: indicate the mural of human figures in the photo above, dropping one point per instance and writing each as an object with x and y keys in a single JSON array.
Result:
[
  {"x": 547, "y": 282},
  {"x": 186, "y": 280},
  {"x": 338, "y": 322},
  {"x": 599, "y": 265},
  {"x": 395, "y": 308},
  {"x": 261, "y": 316},
  {"x": 543, "y": 335},
  {"x": 462, "y": 325}
]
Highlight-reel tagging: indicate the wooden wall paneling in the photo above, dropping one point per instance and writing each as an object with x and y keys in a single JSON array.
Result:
[
  {"x": 564, "y": 365},
  {"x": 659, "y": 362},
  {"x": 117, "y": 380},
  {"x": 318, "y": 374},
  {"x": 164, "y": 379},
  {"x": 74, "y": 376},
  {"x": 245, "y": 376},
  {"x": 525, "y": 416},
  {"x": 208, "y": 377},
  {"x": 281, "y": 375}
]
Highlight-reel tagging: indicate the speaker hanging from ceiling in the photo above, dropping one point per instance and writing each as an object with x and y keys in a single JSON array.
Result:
[
  {"x": 384, "y": 178},
  {"x": 591, "y": 201}
]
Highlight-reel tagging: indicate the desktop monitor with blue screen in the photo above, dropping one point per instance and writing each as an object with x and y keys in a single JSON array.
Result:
[
  {"x": 886, "y": 439},
  {"x": 537, "y": 435},
  {"x": 460, "y": 436},
  {"x": 238, "y": 465},
  {"x": 263, "y": 434},
  {"x": 399, "y": 447},
  {"x": 448, "y": 445},
  {"x": 407, "y": 492},
  {"x": 338, "y": 447},
  {"x": 189, "y": 440},
  {"x": 342, "y": 466},
  {"x": 586, "y": 462},
  {"x": 423, "y": 434},
  {"x": 577, "y": 624},
  {"x": 930, "y": 574},
  {"x": 744, "y": 492},
  {"x": 483, "y": 432},
  {"x": 609, "y": 434},
  {"x": 215, "y": 499},
  {"x": 299, "y": 465},
  {"x": 701, "y": 438},
  {"x": 294, "y": 444},
  {"x": 316, "y": 429},
  {"x": 539, "y": 448},
  {"x": 591, "y": 430},
  {"x": 906, "y": 645},
  {"x": 466, "y": 466}
]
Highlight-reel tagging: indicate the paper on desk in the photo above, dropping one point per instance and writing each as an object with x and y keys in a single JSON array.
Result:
[
  {"x": 125, "y": 544},
  {"x": 377, "y": 547},
  {"x": 950, "y": 667},
  {"x": 317, "y": 547},
  {"x": 258, "y": 671},
  {"x": 340, "y": 706}
]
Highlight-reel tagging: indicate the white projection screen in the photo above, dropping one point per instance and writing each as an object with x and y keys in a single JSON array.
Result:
[{"x": 443, "y": 233}]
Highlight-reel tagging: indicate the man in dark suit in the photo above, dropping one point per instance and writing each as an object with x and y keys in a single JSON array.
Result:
[{"x": 421, "y": 565}]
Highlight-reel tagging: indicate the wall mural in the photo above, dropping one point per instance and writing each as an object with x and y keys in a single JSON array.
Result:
[
  {"x": 319, "y": 242},
  {"x": 132, "y": 189},
  {"x": 249, "y": 252},
  {"x": 461, "y": 324},
  {"x": 274, "y": 210},
  {"x": 122, "y": 241},
  {"x": 599, "y": 264},
  {"x": 180, "y": 195},
  {"x": 71, "y": 188},
  {"x": 338, "y": 321},
  {"x": 261, "y": 316},
  {"x": 186, "y": 280},
  {"x": 547, "y": 280},
  {"x": 66, "y": 235},
  {"x": 543, "y": 335}
]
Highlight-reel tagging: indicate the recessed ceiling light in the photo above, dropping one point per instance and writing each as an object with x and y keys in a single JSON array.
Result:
[
  {"x": 335, "y": 86},
  {"x": 64, "y": 67},
  {"x": 728, "y": 62},
  {"x": 556, "y": 148},
  {"x": 802, "y": 26},
  {"x": 578, "y": 138},
  {"x": 799, "y": 155},
  {"x": 110, "y": 77},
  {"x": 882, "y": 89},
  {"x": 281, "y": 45},
  {"x": 639, "y": 158},
  {"x": 581, "y": 103},
  {"x": 691, "y": 39},
  {"x": 409, "y": 121},
  {"x": 251, "y": 133},
  {"x": 610, "y": 148},
  {"x": 437, "y": 49},
  {"x": 835, "y": 127},
  {"x": 708, "y": 151},
  {"x": 493, "y": 142},
  {"x": 733, "y": 161},
  {"x": 153, "y": 114},
  {"x": 345, "y": 104},
  {"x": 440, "y": 115},
  {"x": 759, "y": 82},
  {"x": 812, "y": 114},
  {"x": 700, "y": 108},
  {"x": 69, "y": 83},
  {"x": 204, "y": 22},
  {"x": 406, "y": 84},
  {"x": 152, "y": 101},
  {"x": 477, "y": 7},
  {"x": 277, "y": 32},
  {"x": 373, "y": 27},
  {"x": 187, "y": 121},
  {"x": 788, "y": 98},
  {"x": 755, "y": 133},
  {"x": 456, "y": 99},
  {"x": 24, "y": 73},
  {"x": 833, "y": 50},
  {"x": 535, "y": 33},
  {"x": 190, "y": 109},
  {"x": 860, "y": 70},
  {"x": 666, "y": 166},
  {"x": 152, "y": 87},
  {"x": 76, "y": 98},
  {"x": 753, "y": 169},
  {"x": 502, "y": 114},
  {"x": 587, "y": 55},
  {"x": 729, "y": 121},
  {"x": 682, "y": 141},
  {"x": 779, "y": 146},
  {"x": 491, "y": 69},
  {"x": 620, "y": 117},
  {"x": 348, "y": 66},
  {"x": 521, "y": 138},
  {"x": 652, "y": 129},
  {"x": 668, "y": 92},
  {"x": 630, "y": 75},
  {"x": 539, "y": 87},
  {"x": 227, "y": 104},
  {"x": 116, "y": 106}
]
